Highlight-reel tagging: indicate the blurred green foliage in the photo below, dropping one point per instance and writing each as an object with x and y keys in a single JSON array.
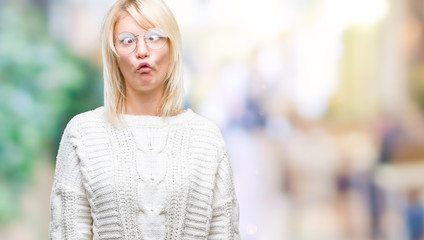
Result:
[{"x": 42, "y": 85}]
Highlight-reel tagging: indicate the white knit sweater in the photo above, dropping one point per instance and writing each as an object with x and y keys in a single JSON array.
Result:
[{"x": 150, "y": 178}]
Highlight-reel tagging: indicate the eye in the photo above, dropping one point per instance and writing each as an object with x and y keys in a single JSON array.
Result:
[
  {"x": 126, "y": 38},
  {"x": 154, "y": 34},
  {"x": 154, "y": 37}
]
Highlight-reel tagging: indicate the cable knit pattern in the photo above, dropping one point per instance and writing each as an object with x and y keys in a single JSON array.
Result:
[{"x": 150, "y": 178}]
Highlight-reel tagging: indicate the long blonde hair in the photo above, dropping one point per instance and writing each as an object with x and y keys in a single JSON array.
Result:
[{"x": 146, "y": 13}]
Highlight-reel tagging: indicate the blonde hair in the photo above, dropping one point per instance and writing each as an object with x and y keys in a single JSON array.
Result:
[{"x": 147, "y": 13}]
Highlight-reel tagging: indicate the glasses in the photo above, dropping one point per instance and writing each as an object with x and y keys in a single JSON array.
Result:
[{"x": 126, "y": 43}]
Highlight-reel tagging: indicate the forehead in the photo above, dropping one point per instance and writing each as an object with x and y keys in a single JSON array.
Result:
[{"x": 126, "y": 23}]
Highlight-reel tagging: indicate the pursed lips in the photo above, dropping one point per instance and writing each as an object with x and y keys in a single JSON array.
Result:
[{"x": 144, "y": 67}]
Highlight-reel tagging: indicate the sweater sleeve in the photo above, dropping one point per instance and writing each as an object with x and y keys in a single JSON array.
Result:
[
  {"x": 69, "y": 207},
  {"x": 225, "y": 208}
]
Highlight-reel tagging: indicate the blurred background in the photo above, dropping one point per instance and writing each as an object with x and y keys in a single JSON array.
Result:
[{"x": 321, "y": 104}]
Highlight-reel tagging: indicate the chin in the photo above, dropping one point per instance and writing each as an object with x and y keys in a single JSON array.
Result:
[
  {"x": 149, "y": 88},
  {"x": 146, "y": 82}
]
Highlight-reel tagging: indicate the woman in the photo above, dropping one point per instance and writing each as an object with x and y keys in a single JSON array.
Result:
[{"x": 140, "y": 167}]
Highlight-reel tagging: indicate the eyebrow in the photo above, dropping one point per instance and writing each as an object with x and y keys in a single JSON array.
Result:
[{"x": 114, "y": 37}]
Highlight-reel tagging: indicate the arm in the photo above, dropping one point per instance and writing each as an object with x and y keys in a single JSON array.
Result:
[
  {"x": 69, "y": 207},
  {"x": 225, "y": 209}
]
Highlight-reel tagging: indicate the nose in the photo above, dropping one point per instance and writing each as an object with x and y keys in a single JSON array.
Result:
[{"x": 141, "y": 51}]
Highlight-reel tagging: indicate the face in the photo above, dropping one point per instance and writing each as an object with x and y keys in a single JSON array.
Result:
[{"x": 145, "y": 69}]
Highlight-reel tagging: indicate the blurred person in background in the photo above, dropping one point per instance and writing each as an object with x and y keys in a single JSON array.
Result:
[
  {"x": 414, "y": 215},
  {"x": 140, "y": 167}
]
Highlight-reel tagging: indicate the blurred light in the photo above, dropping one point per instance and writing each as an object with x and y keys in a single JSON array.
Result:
[
  {"x": 185, "y": 11},
  {"x": 269, "y": 62},
  {"x": 365, "y": 11},
  {"x": 349, "y": 12},
  {"x": 213, "y": 107},
  {"x": 316, "y": 60},
  {"x": 251, "y": 229},
  {"x": 278, "y": 128},
  {"x": 265, "y": 18}
]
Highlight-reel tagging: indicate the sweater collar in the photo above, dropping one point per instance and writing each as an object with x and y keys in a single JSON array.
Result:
[{"x": 147, "y": 120}]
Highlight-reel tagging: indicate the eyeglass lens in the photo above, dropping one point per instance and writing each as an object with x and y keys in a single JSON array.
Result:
[{"x": 154, "y": 38}]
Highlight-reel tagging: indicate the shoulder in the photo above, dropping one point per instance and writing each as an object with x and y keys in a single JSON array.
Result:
[
  {"x": 93, "y": 118},
  {"x": 206, "y": 129}
]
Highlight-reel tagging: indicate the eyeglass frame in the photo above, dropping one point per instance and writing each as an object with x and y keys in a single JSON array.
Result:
[{"x": 136, "y": 42}]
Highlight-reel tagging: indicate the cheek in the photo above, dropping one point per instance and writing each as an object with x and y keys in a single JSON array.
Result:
[
  {"x": 165, "y": 61},
  {"x": 123, "y": 64}
]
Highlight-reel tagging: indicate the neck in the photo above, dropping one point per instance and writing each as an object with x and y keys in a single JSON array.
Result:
[{"x": 142, "y": 104}]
